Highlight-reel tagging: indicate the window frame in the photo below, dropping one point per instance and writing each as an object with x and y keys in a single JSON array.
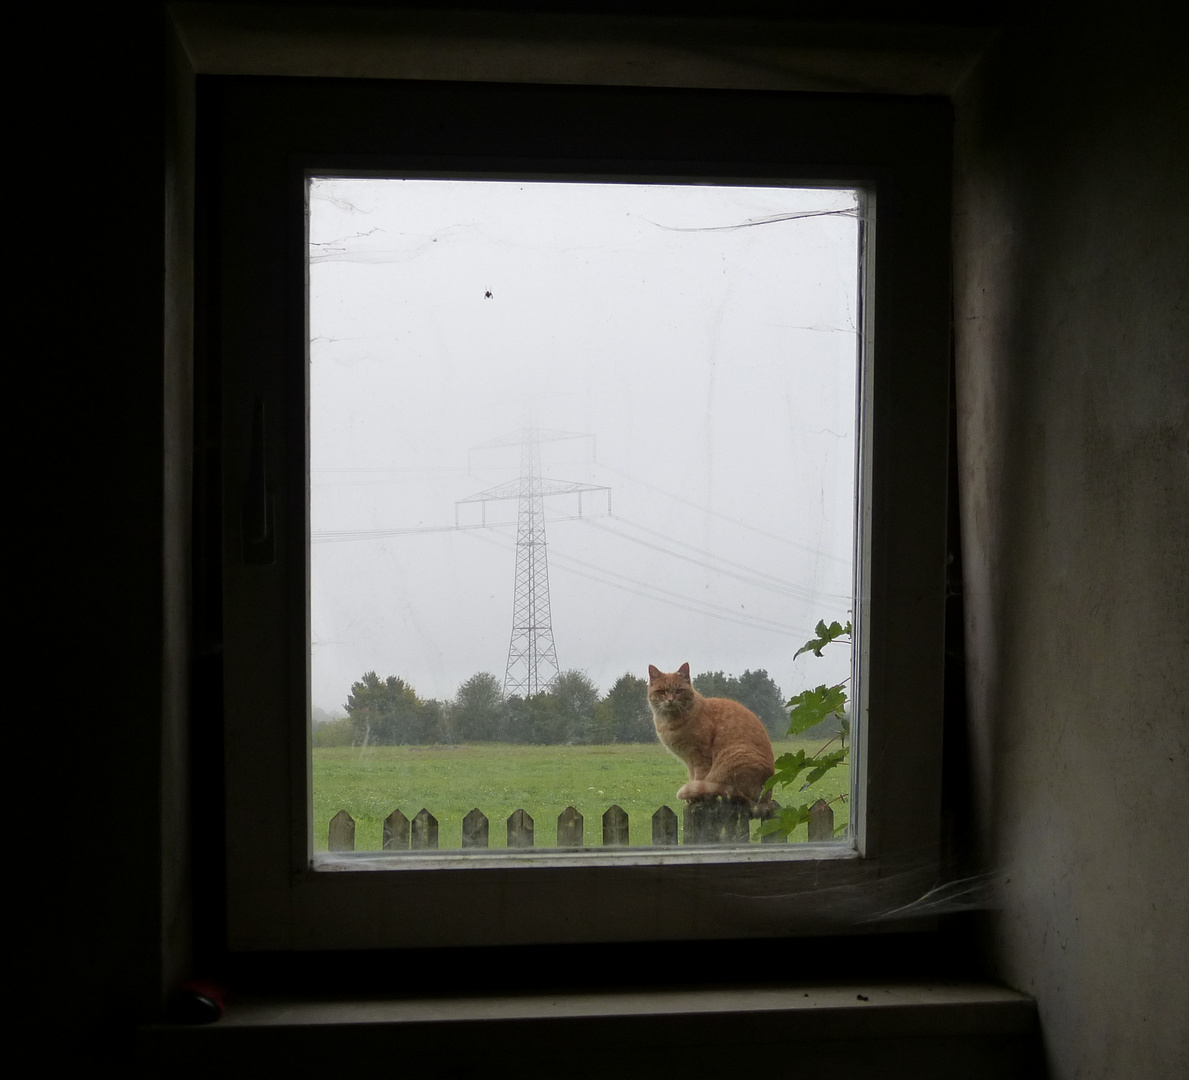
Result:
[{"x": 259, "y": 138}]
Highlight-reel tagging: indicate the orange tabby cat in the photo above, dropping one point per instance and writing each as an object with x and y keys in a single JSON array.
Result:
[{"x": 722, "y": 743}]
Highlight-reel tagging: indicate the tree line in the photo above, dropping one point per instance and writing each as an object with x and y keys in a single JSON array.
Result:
[{"x": 389, "y": 711}]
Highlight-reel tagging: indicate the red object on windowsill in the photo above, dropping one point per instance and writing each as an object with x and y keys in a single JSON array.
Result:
[{"x": 198, "y": 1001}]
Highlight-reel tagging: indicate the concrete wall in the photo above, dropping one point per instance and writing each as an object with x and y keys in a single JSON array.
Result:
[{"x": 1072, "y": 323}]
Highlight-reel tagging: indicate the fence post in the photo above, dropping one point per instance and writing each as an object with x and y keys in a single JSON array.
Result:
[
  {"x": 520, "y": 829},
  {"x": 821, "y": 821},
  {"x": 699, "y": 821},
  {"x": 341, "y": 834},
  {"x": 715, "y": 820},
  {"x": 569, "y": 828},
  {"x": 396, "y": 832},
  {"x": 475, "y": 829},
  {"x": 425, "y": 831},
  {"x": 736, "y": 822},
  {"x": 664, "y": 828},
  {"x": 615, "y": 827}
]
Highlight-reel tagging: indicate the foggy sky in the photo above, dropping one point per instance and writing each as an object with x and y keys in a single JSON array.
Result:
[{"x": 701, "y": 340}]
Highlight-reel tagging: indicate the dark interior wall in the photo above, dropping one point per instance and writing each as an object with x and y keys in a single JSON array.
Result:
[
  {"x": 101, "y": 414},
  {"x": 1072, "y": 274}
]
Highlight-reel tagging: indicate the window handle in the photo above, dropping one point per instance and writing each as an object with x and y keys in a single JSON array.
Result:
[{"x": 256, "y": 522}]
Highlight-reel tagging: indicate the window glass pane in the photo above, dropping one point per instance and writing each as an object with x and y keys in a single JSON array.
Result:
[{"x": 560, "y": 432}]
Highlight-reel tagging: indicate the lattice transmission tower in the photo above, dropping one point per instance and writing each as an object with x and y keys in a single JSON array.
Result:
[{"x": 532, "y": 656}]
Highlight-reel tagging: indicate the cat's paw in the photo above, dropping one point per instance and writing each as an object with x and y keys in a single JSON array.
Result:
[{"x": 702, "y": 789}]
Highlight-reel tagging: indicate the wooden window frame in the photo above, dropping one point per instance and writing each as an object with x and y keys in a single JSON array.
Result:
[{"x": 258, "y": 140}]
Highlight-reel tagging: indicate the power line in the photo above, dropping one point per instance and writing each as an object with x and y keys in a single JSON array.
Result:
[
  {"x": 340, "y": 536},
  {"x": 726, "y": 517},
  {"x": 755, "y": 578},
  {"x": 663, "y": 596},
  {"x": 748, "y": 575},
  {"x": 751, "y": 576},
  {"x": 758, "y": 578}
]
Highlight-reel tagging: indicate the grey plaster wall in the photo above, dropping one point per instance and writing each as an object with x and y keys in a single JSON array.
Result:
[{"x": 1072, "y": 271}]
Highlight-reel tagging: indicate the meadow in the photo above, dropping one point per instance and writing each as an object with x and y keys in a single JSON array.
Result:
[{"x": 370, "y": 782}]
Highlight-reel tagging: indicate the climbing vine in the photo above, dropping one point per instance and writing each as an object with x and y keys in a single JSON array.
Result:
[{"x": 807, "y": 710}]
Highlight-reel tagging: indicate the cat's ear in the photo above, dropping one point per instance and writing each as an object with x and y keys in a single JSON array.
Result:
[
  {"x": 684, "y": 671},
  {"x": 653, "y": 673}
]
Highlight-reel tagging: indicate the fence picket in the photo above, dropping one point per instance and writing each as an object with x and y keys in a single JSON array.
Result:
[
  {"x": 425, "y": 831},
  {"x": 615, "y": 827},
  {"x": 569, "y": 828},
  {"x": 475, "y": 829},
  {"x": 664, "y": 828},
  {"x": 821, "y": 821},
  {"x": 396, "y": 832},
  {"x": 342, "y": 832},
  {"x": 706, "y": 821},
  {"x": 520, "y": 830}
]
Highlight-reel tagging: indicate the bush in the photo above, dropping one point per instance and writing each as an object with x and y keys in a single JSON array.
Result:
[{"x": 334, "y": 733}]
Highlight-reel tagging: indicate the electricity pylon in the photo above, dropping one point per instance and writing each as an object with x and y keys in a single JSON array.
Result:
[{"x": 532, "y": 656}]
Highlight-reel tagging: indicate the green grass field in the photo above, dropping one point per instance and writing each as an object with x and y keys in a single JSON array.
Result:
[{"x": 499, "y": 778}]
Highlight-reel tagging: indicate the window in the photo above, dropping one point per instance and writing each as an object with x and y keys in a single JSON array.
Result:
[
  {"x": 637, "y": 445},
  {"x": 266, "y": 139}
]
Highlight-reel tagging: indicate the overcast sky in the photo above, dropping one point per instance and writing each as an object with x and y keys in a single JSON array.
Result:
[{"x": 700, "y": 341}]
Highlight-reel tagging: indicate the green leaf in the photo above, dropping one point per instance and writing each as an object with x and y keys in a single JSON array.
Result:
[
  {"x": 767, "y": 828},
  {"x": 823, "y": 765},
  {"x": 788, "y": 768},
  {"x": 811, "y": 707},
  {"x": 791, "y": 760},
  {"x": 785, "y": 822},
  {"x": 825, "y": 634}
]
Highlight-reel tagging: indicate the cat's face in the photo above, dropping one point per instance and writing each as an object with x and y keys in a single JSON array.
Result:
[{"x": 670, "y": 692}]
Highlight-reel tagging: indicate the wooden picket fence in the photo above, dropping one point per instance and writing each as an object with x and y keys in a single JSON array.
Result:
[{"x": 708, "y": 821}]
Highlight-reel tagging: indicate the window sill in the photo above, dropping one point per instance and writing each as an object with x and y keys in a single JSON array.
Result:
[
  {"x": 932, "y": 1029},
  {"x": 733, "y": 855}
]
